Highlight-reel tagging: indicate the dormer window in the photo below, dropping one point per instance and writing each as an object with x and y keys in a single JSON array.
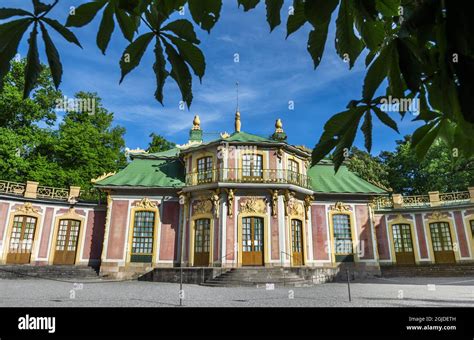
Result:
[
  {"x": 252, "y": 165},
  {"x": 204, "y": 169}
]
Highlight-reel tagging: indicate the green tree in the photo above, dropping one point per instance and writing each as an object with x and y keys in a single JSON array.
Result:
[
  {"x": 442, "y": 169},
  {"x": 368, "y": 167},
  {"x": 159, "y": 143},
  {"x": 423, "y": 48},
  {"x": 88, "y": 145}
]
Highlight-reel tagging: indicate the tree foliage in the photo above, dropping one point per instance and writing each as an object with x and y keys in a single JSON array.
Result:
[
  {"x": 34, "y": 145},
  {"x": 401, "y": 171},
  {"x": 422, "y": 50},
  {"x": 159, "y": 143}
]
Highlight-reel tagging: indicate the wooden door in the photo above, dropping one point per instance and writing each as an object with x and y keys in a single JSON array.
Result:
[
  {"x": 297, "y": 242},
  {"x": 403, "y": 244},
  {"x": 21, "y": 240},
  {"x": 66, "y": 242},
  {"x": 252, "y": 241},
  {"x": 202, "y": 242},
  {"x": 442, "y": 242}
]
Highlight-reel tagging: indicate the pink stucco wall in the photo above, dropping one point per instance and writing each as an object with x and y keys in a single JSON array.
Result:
[
  {"x": 230, "y": 230},
  {"x": 420, "y": 231},
  {"x": 3, "y": 218},
  {"x": 169, "y": 231},
  {"x": 46, "y": 232},
  {"x": 382, "y": 237},
  {"x": 365, "y": 232},
  {"x": 320, "y": 229},
  {"x": 462, "y": 239},
  {"x": 94, "y": 235},
  {"x": 118, "y": 230}
]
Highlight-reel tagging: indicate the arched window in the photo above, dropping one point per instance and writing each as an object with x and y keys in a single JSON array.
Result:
[
  {"x": 293, "y": 171},
  {"x": 143, "y": 235},
  {"x": 66, "y": 241},
  {"x": 21, "y": 240},
  {"x": 342, "y": 233}
]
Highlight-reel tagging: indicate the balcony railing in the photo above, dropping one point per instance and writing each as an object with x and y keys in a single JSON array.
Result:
[
  {"x": 12, "y": 188},
  {"x": 434, "y": 199},
  {"x": 240, "y": 175},
  {"x": 52, "y": 193}
]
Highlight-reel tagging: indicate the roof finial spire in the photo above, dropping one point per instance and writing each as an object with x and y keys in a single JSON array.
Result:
[
  {"x": 237, "y": 111},
  {"x": 237, "y": 90}
]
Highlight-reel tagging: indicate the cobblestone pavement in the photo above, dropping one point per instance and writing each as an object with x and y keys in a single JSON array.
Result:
[{"x": 383, "y": 292}]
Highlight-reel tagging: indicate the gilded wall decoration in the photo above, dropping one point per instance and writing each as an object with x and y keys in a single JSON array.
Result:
[
  {"x": 215, "y": 199},
  {"x": 230, "y": 202},
  {"x": 438, "y": 216},
  {"x": 274, "y": 202},
  {"x": 307, "y": 205},
  {"x": 295, "y": 208},
  {"x": 340, "y": 207},
  {"x": 27, "y": 208},
  {"x": 253, "y": 205},
  {"x": 145, "y": 203},
  {"x": 202, "y": 206}
]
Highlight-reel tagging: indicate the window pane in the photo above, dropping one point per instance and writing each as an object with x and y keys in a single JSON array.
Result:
[
  {"x": 342, "y": 234},
  {"x": 143, "y": 232}
]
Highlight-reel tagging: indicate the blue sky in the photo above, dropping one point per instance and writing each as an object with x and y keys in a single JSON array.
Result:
[{"x": 272, "y": 71}]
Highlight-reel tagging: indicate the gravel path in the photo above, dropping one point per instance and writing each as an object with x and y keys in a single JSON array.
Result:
[{"x": 384, "y": 292}]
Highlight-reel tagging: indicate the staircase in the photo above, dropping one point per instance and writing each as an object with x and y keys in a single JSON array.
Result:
[
  {"x": 257, "y": 276},
  {"x": 428, "y": 270},
  {"x": 48, "y": 272}
]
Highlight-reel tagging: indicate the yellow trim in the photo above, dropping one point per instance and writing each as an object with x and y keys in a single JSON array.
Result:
[
  {"x": 70, "y": 215},
  {"x": 402, "y": 220},
  {"x": 193, "y": 232},
  {"x": 266, "y": 255},
  {"x": 303, "y": 238},
  {"x": 194, "y": 166},
  {"x": 467, "y": 223},
  {"x": 454, "y": 235},
  {"x": 155, "y": 232},
  {"x": 353, "y": 234},
  {"x": 36, "y": 242},
  {"x": 262, "y": 153}
]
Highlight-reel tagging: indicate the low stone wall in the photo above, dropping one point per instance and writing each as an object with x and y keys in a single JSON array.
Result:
[{"x": 190, "y": 274}]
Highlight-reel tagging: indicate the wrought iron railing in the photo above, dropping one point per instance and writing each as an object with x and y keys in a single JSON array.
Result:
[
  {"x": 421, "y": 201},
  {"x": 454, "y": 197},
  {"x": 52, "y": 193},
  {"x": 416, "y": 201},
  {"x": 12, "y": 188},
  {"x": 245, "y": 175},
  {"x": 382, "y": 202}
]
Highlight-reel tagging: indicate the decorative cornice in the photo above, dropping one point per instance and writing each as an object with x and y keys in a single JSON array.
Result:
[
  {"x": 102, "y": 177},
  {"x": 27, "y": 208},
  {"x": 340, "y": 207},
  {"x": 145, "y": 203}
]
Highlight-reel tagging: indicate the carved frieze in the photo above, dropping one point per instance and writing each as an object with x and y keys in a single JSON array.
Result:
[
  {"x": 202, "y": 206},
  {"x": 253, "y": 205},
  {"x": 27, "y": 208}
]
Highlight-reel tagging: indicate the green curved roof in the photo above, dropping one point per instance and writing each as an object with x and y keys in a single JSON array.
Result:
[
  {"x": 324, "y": 179},
  {"x": 247, "y": 137},
  {"x": 142, "y": 172}
]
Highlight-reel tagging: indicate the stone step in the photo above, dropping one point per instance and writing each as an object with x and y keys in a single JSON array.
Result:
[
  {"x": 257, "y": 277},
  {"x": 60, "y": 272}
]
